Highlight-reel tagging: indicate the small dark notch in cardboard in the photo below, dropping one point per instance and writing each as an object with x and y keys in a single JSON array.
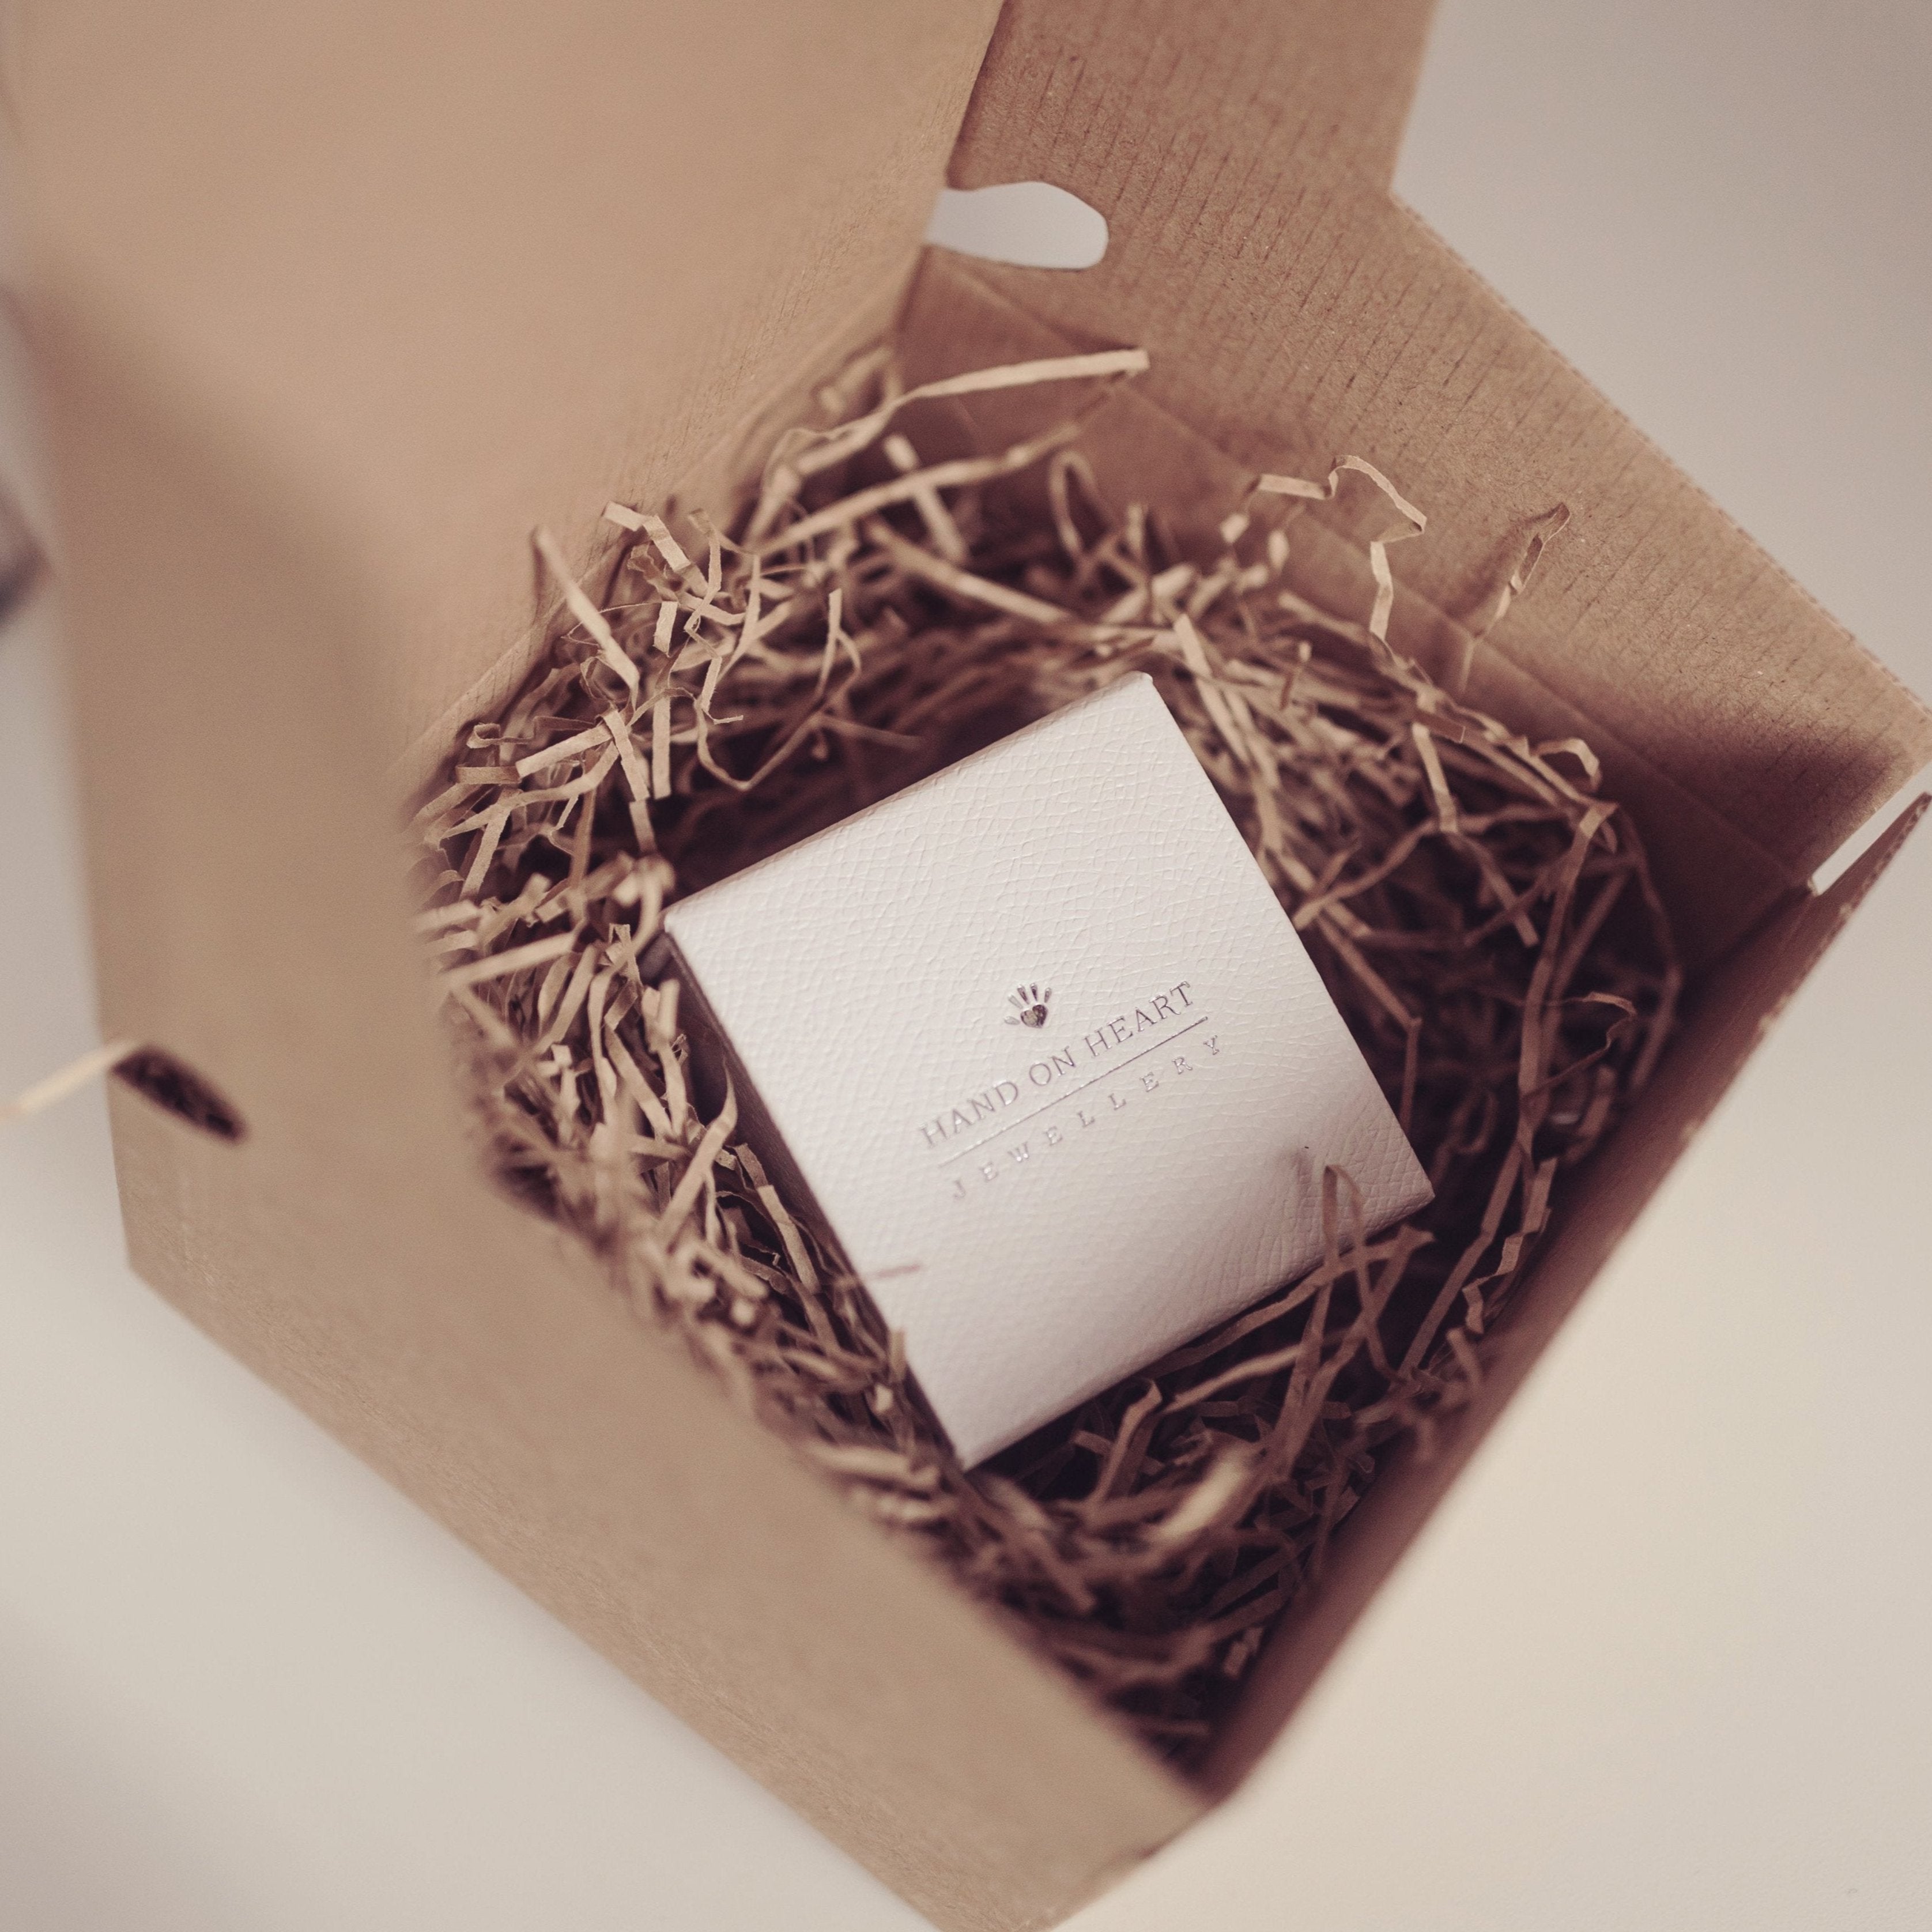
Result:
[
  {"x": 20, "y": 559},
  {"x": 178, "y": 1090}
]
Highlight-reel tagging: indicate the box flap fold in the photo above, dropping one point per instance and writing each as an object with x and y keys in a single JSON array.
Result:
[{"x": 1294, "y": 313}]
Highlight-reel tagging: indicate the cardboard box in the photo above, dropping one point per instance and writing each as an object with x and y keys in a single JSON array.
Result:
[{"x": 334, "y": 305}]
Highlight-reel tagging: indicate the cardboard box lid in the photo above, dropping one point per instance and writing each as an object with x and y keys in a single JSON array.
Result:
[
  {"x": 452, "y": 273},
  {"x": 1293, "y": 312}
]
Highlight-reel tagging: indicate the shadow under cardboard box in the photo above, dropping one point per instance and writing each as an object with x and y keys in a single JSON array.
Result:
[{"x": 299, "y": 461}]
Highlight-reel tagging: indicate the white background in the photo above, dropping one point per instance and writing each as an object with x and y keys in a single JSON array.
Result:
[{"x": 1660, "y": 1662}]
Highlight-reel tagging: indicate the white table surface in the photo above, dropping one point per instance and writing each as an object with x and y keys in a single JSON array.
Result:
[{"x": 1661, "y": 1661}]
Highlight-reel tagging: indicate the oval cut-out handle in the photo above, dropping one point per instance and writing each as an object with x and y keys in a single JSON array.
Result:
[{"x": 1028, "y": 224}]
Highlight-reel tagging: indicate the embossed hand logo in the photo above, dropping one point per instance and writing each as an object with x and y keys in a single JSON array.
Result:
[{"x": 1032, "y": 1004}]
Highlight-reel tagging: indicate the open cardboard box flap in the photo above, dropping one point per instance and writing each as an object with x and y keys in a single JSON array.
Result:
[{"x": 335, "y": 307}]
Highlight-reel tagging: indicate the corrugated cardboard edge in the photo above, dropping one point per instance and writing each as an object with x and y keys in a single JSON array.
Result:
[{"x": 1059, "y": 74}]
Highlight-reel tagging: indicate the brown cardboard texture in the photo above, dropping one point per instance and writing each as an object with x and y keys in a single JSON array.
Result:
[{"x": 334, "y": 308}]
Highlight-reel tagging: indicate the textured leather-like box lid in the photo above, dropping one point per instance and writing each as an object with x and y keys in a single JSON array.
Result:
[{"x": 335, "y": 303}]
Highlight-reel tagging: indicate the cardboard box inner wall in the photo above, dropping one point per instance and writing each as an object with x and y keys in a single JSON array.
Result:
[{"x": 333, "y": 310}]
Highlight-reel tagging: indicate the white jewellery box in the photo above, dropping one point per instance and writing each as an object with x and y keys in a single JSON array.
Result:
[{"x": 1035, "y": 1045}]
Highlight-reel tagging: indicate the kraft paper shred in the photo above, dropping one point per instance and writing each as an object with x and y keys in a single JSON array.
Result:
[{"x": 1484, "y": 920}]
